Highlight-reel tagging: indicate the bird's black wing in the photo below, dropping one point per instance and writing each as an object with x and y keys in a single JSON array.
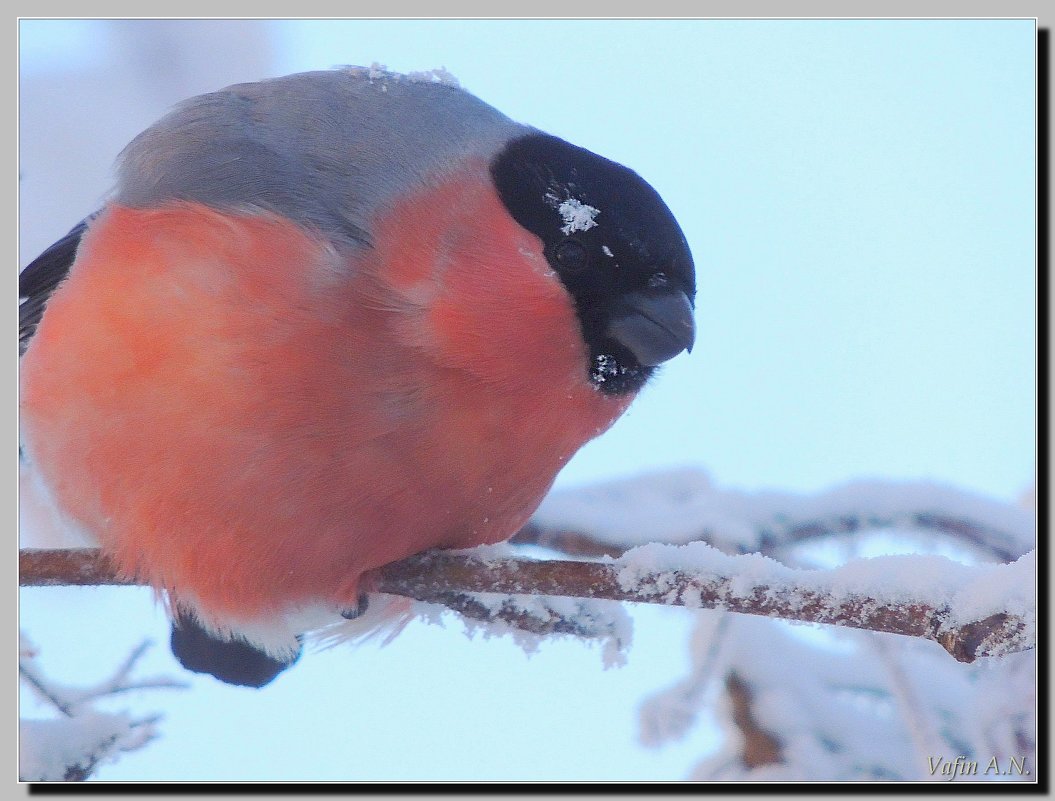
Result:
[{"x": 39, "y": 279}]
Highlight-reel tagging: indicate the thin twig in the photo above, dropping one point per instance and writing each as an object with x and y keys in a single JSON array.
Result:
[
  {"x": 119, "y": 682},
  {"x": 760, "y": 747},
  {"x": 34, "y": 680},
  {"x": 924, "y": 736}
]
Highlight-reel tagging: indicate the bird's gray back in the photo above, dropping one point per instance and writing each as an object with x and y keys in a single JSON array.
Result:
[{"x": 325, "y": 149}]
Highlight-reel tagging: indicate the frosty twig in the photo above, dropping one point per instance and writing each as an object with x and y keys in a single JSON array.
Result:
[{"x": 735, "y": 583}]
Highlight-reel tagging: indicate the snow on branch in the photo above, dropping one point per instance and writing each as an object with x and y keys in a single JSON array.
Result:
[
  {"x": 985, "y": 610},
  {"x": 685, "y": 506},
  {"x": 838, "y": 713},
  {"x": 71, "y": 746},
  {"x": 529, "y": 618},
  {"x": 69, "y": 749}
]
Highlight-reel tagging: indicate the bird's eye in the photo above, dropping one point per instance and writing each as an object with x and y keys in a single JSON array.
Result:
[
  {"x": 658, "y": 281},
  {"x": 571, "y": 255}
]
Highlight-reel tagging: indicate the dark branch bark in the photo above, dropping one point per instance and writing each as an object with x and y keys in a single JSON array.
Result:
[
  {"x": 67, "y": 567},
  {"x": 760, "y": 747},
  {"x": 444, "y": 578}
]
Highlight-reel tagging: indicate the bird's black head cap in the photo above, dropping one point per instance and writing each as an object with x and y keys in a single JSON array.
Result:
[{"x": 615, "y": 246}]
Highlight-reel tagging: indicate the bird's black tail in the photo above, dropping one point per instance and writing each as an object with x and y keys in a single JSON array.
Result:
[{"x": 231, "y": 661}]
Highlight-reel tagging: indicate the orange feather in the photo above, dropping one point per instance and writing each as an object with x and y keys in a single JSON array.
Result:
[{"x": 252, "y": 419}]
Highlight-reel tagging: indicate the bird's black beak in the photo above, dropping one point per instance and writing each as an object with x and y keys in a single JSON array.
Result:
[{"x": 654, "y": 324}]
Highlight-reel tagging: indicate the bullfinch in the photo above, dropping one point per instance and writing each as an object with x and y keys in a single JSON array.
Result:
[{"x": 325, "y": 322}]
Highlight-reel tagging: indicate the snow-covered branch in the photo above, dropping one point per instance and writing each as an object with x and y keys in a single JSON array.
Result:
[
  {"x": 686, "y": 506},
  {"x": 69, "y": 747},
  {"x": 970, "y": 611}
]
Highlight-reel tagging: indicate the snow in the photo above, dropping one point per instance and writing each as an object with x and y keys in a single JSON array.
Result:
[
  {"x": 68, "y": 747},
  {"x": 602, "y": 622},
  {"x": 604, "y": 367},
  {"x": 813, "y": 703},
  {"x": 50, "y": 749},
  {"x": 438, "y": 75},
  {"x": 668, "y": 715},
  {"x": 966, "y": 594},
  {"x": 595, "y": 622},
  {"x": 591, "y": 621},
  {"x": 380, "y": 72},
  {"x": 684, "y": 505},
  {"x": 840, "y": 716},
  {"x": 577, "y": 216},
  {"x": 843, "y": 704}
]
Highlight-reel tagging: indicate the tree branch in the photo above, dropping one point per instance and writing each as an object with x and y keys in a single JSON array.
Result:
[
  {"x": 70, "y": 748},
  {"x": 760, "y": 747},
  {"x": 771, "y": 538},
  {"x": 684, "y": 506},
  {"x": 67, "y": 567},
  {"x": 738, "y": 586}
]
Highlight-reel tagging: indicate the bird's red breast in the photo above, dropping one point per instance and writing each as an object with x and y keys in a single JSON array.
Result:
[{"x": 251, "y": 417}]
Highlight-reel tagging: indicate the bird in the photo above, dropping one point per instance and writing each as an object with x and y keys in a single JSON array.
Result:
[{"x": 326, "y": 321}]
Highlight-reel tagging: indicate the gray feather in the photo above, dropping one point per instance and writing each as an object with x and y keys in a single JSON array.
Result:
[{"x": 325, "y": 149}]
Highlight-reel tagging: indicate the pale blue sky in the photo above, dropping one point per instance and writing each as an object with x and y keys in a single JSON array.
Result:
[{"x": 859, "y": 197}]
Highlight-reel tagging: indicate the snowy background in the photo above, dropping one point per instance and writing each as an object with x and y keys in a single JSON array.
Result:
[{"x": 859, "y": 198}]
